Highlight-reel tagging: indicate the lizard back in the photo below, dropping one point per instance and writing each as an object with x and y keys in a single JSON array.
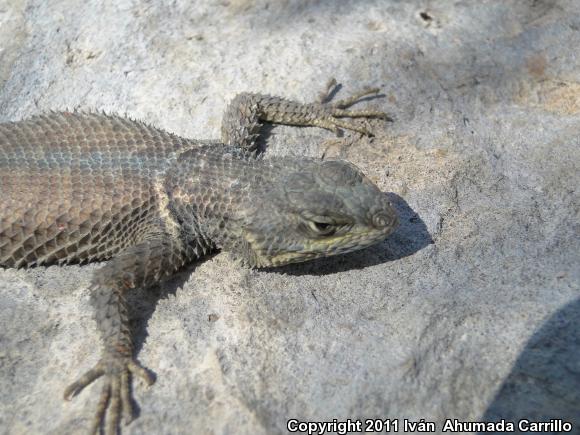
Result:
[{"x": 78, "y": 187}]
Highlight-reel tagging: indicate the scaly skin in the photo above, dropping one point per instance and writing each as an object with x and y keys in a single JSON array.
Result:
[{"x": 79, "y": 187}]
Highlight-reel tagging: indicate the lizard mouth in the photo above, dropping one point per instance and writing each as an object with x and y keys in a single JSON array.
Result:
[{"x": 320, "y": 248}]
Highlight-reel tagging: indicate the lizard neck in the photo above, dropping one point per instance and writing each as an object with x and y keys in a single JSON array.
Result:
[{"x": 209, "y": 187}]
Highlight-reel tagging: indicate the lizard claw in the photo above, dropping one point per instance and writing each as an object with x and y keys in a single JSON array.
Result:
[
  {"x": 333, "y": 111},
  {"x": 115, "y": 399}
]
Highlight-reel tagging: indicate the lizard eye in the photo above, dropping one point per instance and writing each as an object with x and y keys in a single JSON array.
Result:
[{"x": 322, "y": 228}]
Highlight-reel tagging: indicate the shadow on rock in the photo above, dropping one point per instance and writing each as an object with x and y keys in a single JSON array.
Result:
[
  {"x": 143, "y": 301},
  {"x": 411, "y": 236},
  {"x": 544, "y": 383}
]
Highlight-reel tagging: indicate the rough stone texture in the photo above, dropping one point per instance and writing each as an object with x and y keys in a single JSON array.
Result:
[{"x": 482, "y": 159}]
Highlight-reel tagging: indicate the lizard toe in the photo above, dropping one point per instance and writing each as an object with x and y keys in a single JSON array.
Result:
[{"x": 115, "y": 401}]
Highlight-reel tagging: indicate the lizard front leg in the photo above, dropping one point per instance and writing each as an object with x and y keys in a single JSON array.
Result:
[
  {"x": 140, "y": 265},
  {"x": 246, "y": 113}
]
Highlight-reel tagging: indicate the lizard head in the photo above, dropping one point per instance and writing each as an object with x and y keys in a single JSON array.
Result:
[{"x": 315, "y": 209}]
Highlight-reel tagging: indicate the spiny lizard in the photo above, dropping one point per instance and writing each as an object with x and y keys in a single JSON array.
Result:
[{"x": 83, "y": 187}]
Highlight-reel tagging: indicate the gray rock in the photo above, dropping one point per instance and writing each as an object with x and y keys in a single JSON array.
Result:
[{"x": 470, "y": 311}]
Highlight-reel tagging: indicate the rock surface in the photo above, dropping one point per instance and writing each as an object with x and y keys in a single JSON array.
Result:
[{"x": 470, "y": 311}]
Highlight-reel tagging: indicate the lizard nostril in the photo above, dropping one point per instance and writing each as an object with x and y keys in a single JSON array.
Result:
[{"x": 382, "y": 220}]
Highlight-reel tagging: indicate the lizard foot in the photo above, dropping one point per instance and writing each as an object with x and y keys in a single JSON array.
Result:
[
  {"x": 329, "y": 113},
  {"x": 116, "y": 394}
]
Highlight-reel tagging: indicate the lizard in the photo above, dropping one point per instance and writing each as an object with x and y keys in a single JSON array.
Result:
[{"x": 80, "y": 187}]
